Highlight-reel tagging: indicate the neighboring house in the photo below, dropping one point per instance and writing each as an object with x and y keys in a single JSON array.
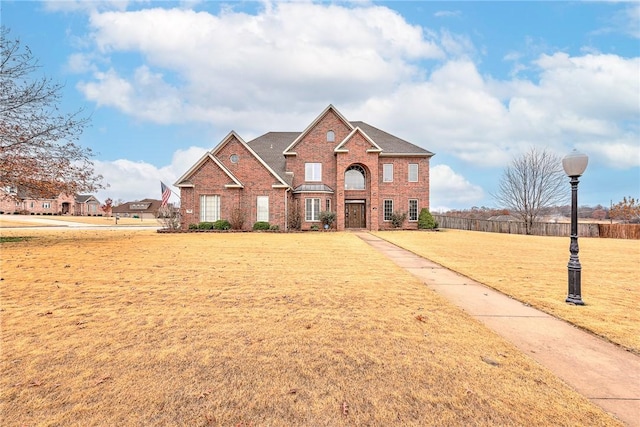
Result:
[
  {"x": 87, "y": 205},
  {"x": 143, "y": 209},
  {"x": 361, "y": 173},
  {"x": 14, "y": 200}
]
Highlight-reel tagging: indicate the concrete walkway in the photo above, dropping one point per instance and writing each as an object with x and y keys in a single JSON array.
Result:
[{"x": 606, "y": 374}]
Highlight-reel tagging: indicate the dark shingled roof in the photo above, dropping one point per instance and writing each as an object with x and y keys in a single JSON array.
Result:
[
  {"x": 390, "y": 144},
  {"x": 83, "y": 198},
  {"x": 271, "y": 145}
]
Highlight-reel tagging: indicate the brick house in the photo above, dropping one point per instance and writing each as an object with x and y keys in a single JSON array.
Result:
[
  {"x": 143, "y": 209},
  {"x": 361, "y": 173},
  {"x": 14, "y": 200},
  {"x": 87, "y": 205}
]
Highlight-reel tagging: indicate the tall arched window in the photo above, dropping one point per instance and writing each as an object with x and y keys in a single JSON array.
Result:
[
  {"x": 354, "y": 178},
  {"x": 331, "y": 136}
]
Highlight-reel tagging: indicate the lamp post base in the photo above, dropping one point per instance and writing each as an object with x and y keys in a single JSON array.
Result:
[{"x": 574, "y": 299}]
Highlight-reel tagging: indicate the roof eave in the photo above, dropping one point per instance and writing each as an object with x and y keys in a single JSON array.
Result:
[{"x": 384, "y": 154}]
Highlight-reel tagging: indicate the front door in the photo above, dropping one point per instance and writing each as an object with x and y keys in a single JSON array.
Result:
[{"x": 354, "y": 214}]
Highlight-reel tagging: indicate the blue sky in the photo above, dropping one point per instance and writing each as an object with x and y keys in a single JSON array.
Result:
[{"x": 477, "y": 83}]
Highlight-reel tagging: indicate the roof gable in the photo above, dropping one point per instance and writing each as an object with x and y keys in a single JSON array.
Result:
[
  {"x": 330, "y": 108},
  {"x": 183, "y": 181},
  {"x": 342, "y": 147}
]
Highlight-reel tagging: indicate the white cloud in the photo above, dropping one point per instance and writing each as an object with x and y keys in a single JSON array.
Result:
[
  {"x": 451, "y": 189},
  {"x": 303, "y": 55},
  {"x": 130, "y": 180}
]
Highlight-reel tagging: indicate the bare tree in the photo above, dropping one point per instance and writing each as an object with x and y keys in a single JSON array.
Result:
[
  {"x": 38, "y": 149},
  {"x": 627, "y": 210},
  {"x": 532, "y": 182}
]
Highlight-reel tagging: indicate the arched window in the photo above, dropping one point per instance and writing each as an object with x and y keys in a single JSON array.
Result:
[
  {"x": 331, "y": 136},
  {"x": 354, "y": 178}
]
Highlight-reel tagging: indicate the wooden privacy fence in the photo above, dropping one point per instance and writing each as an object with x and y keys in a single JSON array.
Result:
[{"x": 617, "y": 231}]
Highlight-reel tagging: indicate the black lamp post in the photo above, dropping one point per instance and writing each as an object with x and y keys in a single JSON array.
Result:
[{"x": 574, "y": 165}]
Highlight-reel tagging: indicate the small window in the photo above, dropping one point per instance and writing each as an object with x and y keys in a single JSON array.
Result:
[
  {"x": 312, "y": 210},
  {"x": 331, "y": 136},
  {"x": 46, "y": 205},
  {"x": 413, "y": 172},
  {"x": 328, "y": 205},
  {"x": 388, "y": 209},
  {"x": 313, "y": 172},
  {"x": 262, "y": 207},
  {"x": 234, "y": 158},
  {"x": 387, "y": 172},
  {"x": 413, "y": 209}
]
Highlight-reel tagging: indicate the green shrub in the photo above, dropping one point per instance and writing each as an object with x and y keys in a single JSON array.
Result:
[
  {"x": 205, "y": 225},
  {"x": 221, "y": 224},
  {"x": 261, "y": 225},
  {"x": 274, "y": 228},
  {"x": 327, "y": 218},
  {"x": 426, "y": 220},
  {"x": 315, "y": 227},
  {"x": 193, "y": 226},
  {"x": 397, "y": 219}
]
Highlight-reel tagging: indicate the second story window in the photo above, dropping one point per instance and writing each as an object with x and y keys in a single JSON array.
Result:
[
  {"x": 387, "y": 172},
  {"x": 313, "y": 172},
  {"x": 354, "y": 178},
  {"x": 331, "y": 136},
  {"x": 413, "y": 172}
]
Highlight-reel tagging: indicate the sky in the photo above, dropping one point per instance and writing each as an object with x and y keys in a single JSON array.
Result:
[{"x": 476, "y": 83}]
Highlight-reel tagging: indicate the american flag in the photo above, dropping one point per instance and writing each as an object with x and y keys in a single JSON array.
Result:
[{"x": 166, "y": 193}]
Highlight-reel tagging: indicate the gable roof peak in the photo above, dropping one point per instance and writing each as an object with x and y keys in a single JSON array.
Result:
[{"x": 330, "y": 107}]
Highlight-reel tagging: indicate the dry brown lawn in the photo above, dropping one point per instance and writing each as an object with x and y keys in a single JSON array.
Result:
[
  {"x": 103, "y": 327},
  {"x": 533, "y": 269},
  {"x": 11, "y": 221}
]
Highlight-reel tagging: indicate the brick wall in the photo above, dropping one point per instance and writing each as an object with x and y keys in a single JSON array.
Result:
[{"x": 209, "y": 179}]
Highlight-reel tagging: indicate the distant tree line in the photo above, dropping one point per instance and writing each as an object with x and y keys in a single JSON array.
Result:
[{"x": 627, "y": 210}]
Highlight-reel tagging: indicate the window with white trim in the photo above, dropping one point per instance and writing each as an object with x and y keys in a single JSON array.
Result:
[
  {"x": 413, "y": 209},
  {"x": 388, "y": 209},
  {"x": 331, "y": 136},
  {"x": 328, "y": 205},
  {"x": 262, "y": 208},
  {"x": 311, "y": 209},
  {"x": 387, "y": 172},
  {"x": 313, "y": 172},
  {"x": 209, "y": 208},
  {"x": 354, "y": 178},
  {"x": 46, "y": 205},
  {"x": 413, "y": 172}
]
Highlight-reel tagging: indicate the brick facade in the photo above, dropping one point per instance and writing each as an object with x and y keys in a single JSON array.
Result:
[
  {"x": 16, "y": 202},
  {"x": 236, "y": 173}
]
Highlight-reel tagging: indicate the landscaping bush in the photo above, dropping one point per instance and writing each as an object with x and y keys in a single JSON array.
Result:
[
  {"x": 261, "y": 225},
  {"x": 221, "y": 224},
  {"x": 398, "y": 218},
  {"x": 193, "y": 226},
  {"x": 274, "y": 228},
  {"x": 237, "y": 219},
  {"x": 205, "y": 225},
  {"x": 327, "y": 218},
  {"x": 426, "y": 220}
]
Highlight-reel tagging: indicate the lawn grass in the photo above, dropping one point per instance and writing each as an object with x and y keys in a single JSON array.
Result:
[
  {"x": 533, "y": 269},
  {"x": 104, "y": 327},
  {"x": 11, "y": 221}
]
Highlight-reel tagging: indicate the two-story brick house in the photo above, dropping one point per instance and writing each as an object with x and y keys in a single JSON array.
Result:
[{"x": 361, "y": 173}]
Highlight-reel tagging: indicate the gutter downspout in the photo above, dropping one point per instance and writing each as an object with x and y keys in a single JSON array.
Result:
[{"x": 286, "y": 209}]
